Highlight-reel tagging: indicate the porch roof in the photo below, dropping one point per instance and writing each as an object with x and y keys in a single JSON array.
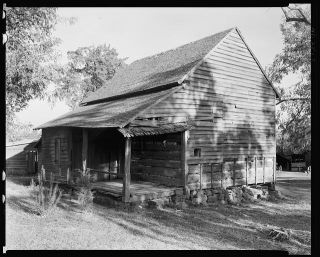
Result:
[
  {"x": 115, "y": 113},
  {"x": 148, "y": 130}
]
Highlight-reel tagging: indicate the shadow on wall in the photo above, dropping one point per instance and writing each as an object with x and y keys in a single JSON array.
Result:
[{"x": 241, "y": 122}]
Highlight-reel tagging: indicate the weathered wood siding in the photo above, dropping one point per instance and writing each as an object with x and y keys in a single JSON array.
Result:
[
  {"x": 157, "y": 159},
  {"x": 233, "y": 108},
  {"x": 19, "y": 161},
  {"x": 47, "y": 154}
]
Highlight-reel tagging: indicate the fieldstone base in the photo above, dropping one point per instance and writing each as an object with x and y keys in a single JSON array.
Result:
[{"x": 232, "y": 195}]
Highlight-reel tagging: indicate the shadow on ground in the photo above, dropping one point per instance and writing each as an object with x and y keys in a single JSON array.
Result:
[{"x": 211, "y": 227}]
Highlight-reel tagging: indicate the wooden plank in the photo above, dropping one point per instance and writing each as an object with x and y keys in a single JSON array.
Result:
[
  {"x": 184, "y": 164},
  {"x": 126, "y": 175}
]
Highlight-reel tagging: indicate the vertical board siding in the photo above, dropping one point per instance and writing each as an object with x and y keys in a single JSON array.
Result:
[
  {"x": 48, "y": 152},
  {"x": 232, "y": 107}
]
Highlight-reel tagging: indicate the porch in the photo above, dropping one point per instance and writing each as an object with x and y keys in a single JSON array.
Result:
[
  {"x": 139, "y": 190},
  {"x": 133, "y": 164}
]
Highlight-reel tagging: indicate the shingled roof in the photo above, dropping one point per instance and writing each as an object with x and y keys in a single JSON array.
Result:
[
  {"x": 138, "y": 86},
  {"x": 115, "y": 113},
  {"x": 157, "y": 70}
]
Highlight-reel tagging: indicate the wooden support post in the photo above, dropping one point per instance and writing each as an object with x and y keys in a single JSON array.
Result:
[
  {"x": 109, "y": 166},
  {"x": 84, "y": 150},
  {"x": 234, "y": 171},
  {"x": 264, "y": 167},
  {"x": 211, "y": 175},
  {"x": 255, "y": 170},
  {"x": 247, "y": 170},
  {"x": 68, "y": 176},
  {"x": 126, "y": 175},
  {"x": 273, "y": 170},
  {"x": 184, "y": 164},
  {"x": 222, "y": 174},
  {"x": 200, "y": 176}
]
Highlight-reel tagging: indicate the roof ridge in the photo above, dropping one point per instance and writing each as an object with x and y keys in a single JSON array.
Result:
[
  {"x": 180, "y": 46},
  {"x": 158, "y": 69}
]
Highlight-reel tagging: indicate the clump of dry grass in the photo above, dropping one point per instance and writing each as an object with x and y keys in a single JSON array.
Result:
[
  {"x": 85, "y": 195},
  {"x": 47, "y": 198}
]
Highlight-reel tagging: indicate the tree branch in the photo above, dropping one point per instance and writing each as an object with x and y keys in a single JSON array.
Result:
[
  {"x": 298, "y": 19},
  {"x": 293, "y": 99}
]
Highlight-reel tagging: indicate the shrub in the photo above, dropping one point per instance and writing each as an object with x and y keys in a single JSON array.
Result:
[{"x": 47, "y": 198}]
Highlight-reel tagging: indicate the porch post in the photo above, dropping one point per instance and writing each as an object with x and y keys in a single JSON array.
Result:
[
  {"x": 184, "y": 164},
  {"x": 84, "y": 149},
  {"x": 126, "y": 175}
]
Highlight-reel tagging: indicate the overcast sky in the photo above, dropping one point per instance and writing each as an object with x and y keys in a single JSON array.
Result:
[{"x": 140, "y": 32}]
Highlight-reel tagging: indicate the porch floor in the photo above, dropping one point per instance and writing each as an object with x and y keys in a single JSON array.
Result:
[{"x": 139, "y": 190}]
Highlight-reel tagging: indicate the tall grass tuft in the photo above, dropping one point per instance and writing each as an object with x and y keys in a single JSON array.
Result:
[
  {"x": 47, "y": 197},
  {"x": 85, "y": 195}
]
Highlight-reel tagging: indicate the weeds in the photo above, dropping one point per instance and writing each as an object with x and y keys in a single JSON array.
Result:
[
  {"x": 47, "y": 198},
  {"x": 85, "y": 195}
]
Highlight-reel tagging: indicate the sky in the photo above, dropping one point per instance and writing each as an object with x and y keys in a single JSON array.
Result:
[{"x": 139, "y": 32}]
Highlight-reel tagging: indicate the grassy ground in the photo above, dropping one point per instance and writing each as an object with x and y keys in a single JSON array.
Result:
[{"x": 213, "y": 227}]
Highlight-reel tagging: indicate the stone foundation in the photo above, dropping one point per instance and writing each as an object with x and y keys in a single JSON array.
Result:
[{"x": 232, "y": 195}]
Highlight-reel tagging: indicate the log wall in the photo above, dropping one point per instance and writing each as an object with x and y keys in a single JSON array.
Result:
[
  {"x": 157, "y": 159},
  {"x": 232, "y": 106}
]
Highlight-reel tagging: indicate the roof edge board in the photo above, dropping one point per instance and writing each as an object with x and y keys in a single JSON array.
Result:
[
  {"x": 259, "y": 65},
  {"x": 131, "y": 94}
]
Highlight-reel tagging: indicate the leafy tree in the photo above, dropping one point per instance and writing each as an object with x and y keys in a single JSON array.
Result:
[
  {"x": 87, "y": 70},
  {"x": 30, "y": 57},
  {"x": 20, "y": 131},
  {"x": 294, "y": 116},
  {"x": 30, "y": 52}
]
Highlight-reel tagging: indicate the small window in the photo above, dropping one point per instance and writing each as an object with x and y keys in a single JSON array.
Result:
[
  {"x": 57, "y": 148},
  {"x": 197, "y": 152}
]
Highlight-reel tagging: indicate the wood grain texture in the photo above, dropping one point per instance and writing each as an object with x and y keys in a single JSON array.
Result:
[{"x": 126, "y": 175}]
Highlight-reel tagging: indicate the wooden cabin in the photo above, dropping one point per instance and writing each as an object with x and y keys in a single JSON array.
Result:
[
  {"x": 22, "y": 157},
  {"x": 199, "y": 116}
]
